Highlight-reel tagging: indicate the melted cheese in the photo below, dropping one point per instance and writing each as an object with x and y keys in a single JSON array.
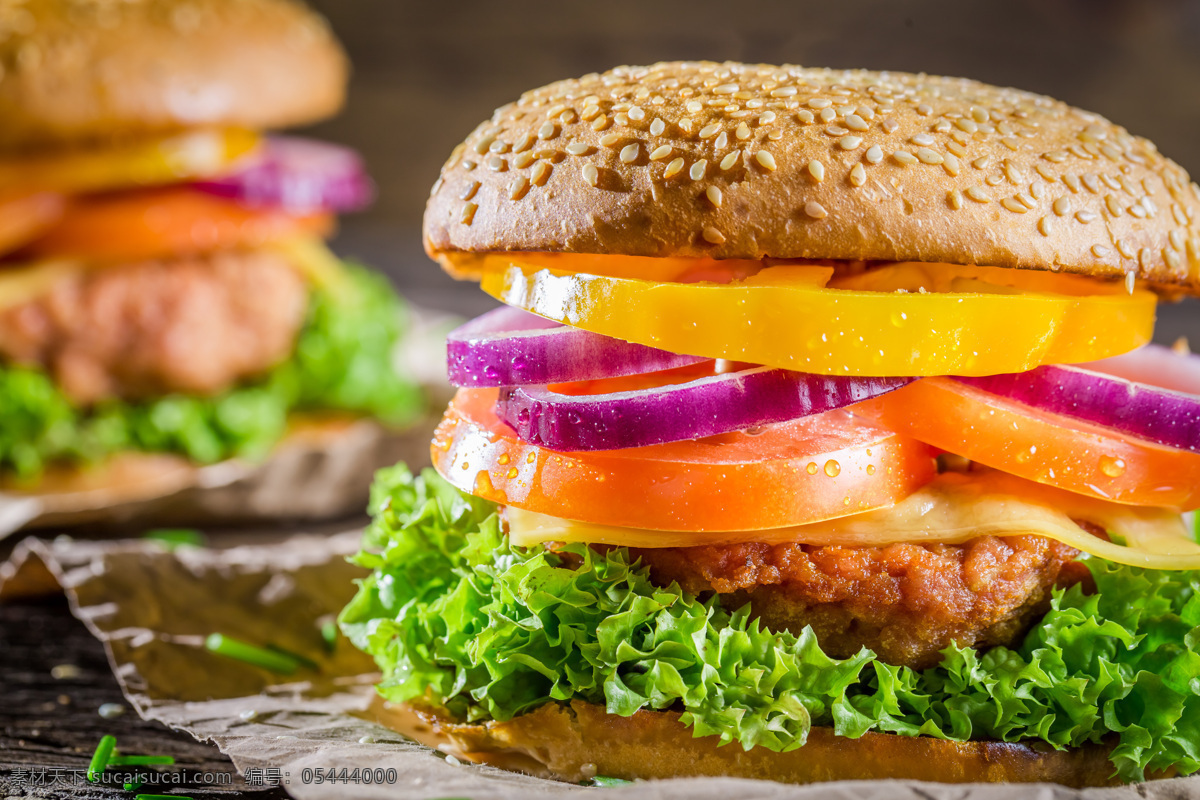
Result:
[
  {"x": 24, "y": 282},
  {"x": 951, "y": 509}
]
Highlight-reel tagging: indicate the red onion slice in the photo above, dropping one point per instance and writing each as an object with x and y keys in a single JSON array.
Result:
[
  {"x": 302, "y": 176},
  {"x": 1142, "y": 409},
  {"x": 510, "y": 347},
  {"x": 704, "y": 407}
]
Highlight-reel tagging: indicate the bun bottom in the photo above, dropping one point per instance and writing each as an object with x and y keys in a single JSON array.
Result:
[{"x": 576, "y": 742}]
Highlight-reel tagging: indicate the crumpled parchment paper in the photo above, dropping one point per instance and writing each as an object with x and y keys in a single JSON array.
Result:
[{"x": 152, "y": 608}]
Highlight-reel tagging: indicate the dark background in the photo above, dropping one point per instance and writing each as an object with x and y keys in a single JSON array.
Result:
[{"x": 427, "y": 71}]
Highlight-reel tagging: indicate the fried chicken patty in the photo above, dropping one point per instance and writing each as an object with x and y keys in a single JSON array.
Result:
[
  {"x": 193, "y": 325},
  {"x": 904, "y": 601}
]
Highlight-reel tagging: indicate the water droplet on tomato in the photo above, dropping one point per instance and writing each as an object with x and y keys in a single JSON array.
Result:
[
  {"x": 899, "y": 318},
  {"x": 870, "y": 469},
  {"x": 833, "y": 468},
  {"x": 503, "y": 459},
  {"x": 1112, "y": 466},
  {"x": 812, "y": 468},
  {"x": 512, "y": 472},
  {"x": 532, "y": 457}
]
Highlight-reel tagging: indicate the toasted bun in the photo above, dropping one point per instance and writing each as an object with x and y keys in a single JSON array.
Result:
[
  {"x": 582, "y": 740},
  {"x": 752, "y": 161},
  {"x": 77, "y": 71}
]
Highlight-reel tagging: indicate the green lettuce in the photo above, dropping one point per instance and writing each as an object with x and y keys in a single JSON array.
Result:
[
  {"x": 343, "y": 362},
  {"x": 491, "y": 631}
]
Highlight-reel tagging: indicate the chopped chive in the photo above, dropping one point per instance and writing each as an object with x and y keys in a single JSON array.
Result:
[
  {"x": 176, "y": 537},
  {"x": 101, "y": 757},
  {"x": 329, "y": 634},
  {"x": 302, "y": 660},
  {"x": 141, "y": 761},
  {"x": 604, "y": 780},
  {"x": 229, "y": 647},
  {"x": 133, "y": 786}
]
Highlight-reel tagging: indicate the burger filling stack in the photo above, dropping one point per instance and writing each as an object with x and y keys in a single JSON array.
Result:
[
  {"x": 164, "y": 283},
  {"x": 820, "y": 437}
]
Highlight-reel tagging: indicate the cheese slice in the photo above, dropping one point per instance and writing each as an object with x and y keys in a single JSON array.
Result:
[
  {"x": 951, "y": 509},
  {"x": 24, "y": 282}
]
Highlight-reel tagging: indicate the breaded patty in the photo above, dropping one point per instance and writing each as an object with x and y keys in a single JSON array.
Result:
[
  {"x": 904, "y": 601},
  {"x": 195, "y": 325}
]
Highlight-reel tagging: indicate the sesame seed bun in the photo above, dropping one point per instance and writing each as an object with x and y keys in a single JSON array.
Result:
[
  {"x": 580, "y": 741},
  {"x": 751, "y": 161},
  {"x": 78, "y": 71}
]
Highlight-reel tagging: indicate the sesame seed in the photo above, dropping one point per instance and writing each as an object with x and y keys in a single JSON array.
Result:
[
  {"x": 904, "y": 157},
  {"x": 540, "y": 174},
  {"x": 924, "y": 110},
  {"x": 1172, "y": 259},
  {"x": 979, "y": 114},
  {"x": 1176, "y": 239},
  {"x": 815, "y": 210},
  {"x": 1111, "y": 182},
  {"x": 765, "y": 159},
  {"x": 694, "y": 106},
  {"x": 660, "y": 152},
  {"x": 524, "y": 143},
  {"x": 977, "y": 194},
  {"x": 966, "y": 125},
  {"x": 589, "y": 113},
  {"x": 600, "y": 122},
  {"x": 729, "y": 160},
  {"x": 1138, "y": 211},
  {"x": 923, "y": 139},
  {"x": 712, "y": 235},
  {"x": 710, "y": 130},
  {"x": 1091, "y": 182},
  {"x": 657, "y": 127},
  {"x": 1114, "y": 205},
  {"x": 849, "y": 142},
  {"x": 674, "y": 168},
  {"x": 726, "y": 88},
  {"x": 951, "y": 164},
  {"x": 1044, "y": 226},
  {"x": 630, "y": 152},
  {"x": 784, "y": 91},
  {"x": 591, "y": 174},
  {"x": 817, "y": 170},
  {"x": 827, "y": 115},
  {"x": 714, "y": 195},
  {"x": 1057, "y": 156},
  {"x": 468, "y": 213},
  {"x": 548, "y": 130},
  {"x": 1100, "y": 251},
  {"x": 1037, "y": 189},
  {"x": 818, "y": 103},
  {"x": 805, "y": 116},
  {"x": 1013, "y": 205},
  {"x": 858, "y": 175},
  {"x": 519, "y": 188},
  {"x": 470, "y": 190},
  {"x": 1010, "y": 143},
  {"x": 874, "y": 154},
  {"x": 1130, "y": 282},
  {"x": 1026, "y": 200},
  {"x": 953, "y": 198},
  {"x": 497, "y": 164},
  {"x": 983, "y": 162},
  {"x": 890, "y": 125},
  {"x": 685, "y": 125},
  {"x": 621, "y": 119},
  {"x": 481, "y": 147},
  {"x": 721, "y": 142},
  {"x": 610, "y": 139},
  {"x": 766, "y": 118},
  {"x": 993, "y": 180},
  {"x": 1072, "y": 182},
  {"x": 637, "y": 114},
  {"x": 578, "y": 148},
  {"x": 698, "y": 169},
  {"x": 1085, "y": 217},
  {"x": 855, "y": 123},
  {"x": 928, "y": 156},
  {"x": 1124, "y": 249},
  {"x": 499, "y": 147},
  {"x": 742, "y": 132}
]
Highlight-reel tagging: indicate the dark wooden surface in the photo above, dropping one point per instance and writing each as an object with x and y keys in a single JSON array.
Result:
[{"x": 49, "y": 727}]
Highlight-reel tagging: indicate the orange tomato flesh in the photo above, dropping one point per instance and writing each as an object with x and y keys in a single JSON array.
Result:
[
  {"x": 25, "y": 217},
  {"x": 1039, "y": 445},
  {"x": 161, "y": 223},
  {"x": 811, "y": 469}
]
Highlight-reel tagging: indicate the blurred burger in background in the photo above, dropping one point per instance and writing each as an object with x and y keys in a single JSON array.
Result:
[{"x": 166, "y": 296}]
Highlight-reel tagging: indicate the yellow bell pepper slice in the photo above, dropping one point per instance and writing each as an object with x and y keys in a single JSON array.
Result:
[
  {"x": 975, "y": 321},
  {"x": 176, "y": 158}
]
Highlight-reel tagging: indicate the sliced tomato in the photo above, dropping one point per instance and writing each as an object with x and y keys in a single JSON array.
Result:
[
  {"x": 160, "y": 223},
  {"x": 820, "y": 467},
  {"x": 25, "y": 217},
  {"x": 1039, "y": 445}
]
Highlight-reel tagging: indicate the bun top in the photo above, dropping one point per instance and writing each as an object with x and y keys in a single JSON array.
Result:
[
  {"x": 78, "y": 71},
  {"x": 752, "y": 161}
]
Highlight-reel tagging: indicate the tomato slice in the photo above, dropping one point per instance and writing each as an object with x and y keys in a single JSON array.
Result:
[
  {"x": 1039, "y": 445},
  {"x": 816, "y": 468},
  {"x": 161, "y": 223},
  {"x": 786, "y": 316},
  {"x": 149, "y": 162},
  {"x": 25, "y": 217}
]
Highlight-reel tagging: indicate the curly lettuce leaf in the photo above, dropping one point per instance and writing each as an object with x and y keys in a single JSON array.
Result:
[
  {"x": 453, "y": 612},
  {"x": 342, "y": 362}
]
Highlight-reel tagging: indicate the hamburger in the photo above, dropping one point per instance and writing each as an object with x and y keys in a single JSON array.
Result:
[
  {"x": 820, "y": 438},
  {"x": 166, "y": 296}
]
